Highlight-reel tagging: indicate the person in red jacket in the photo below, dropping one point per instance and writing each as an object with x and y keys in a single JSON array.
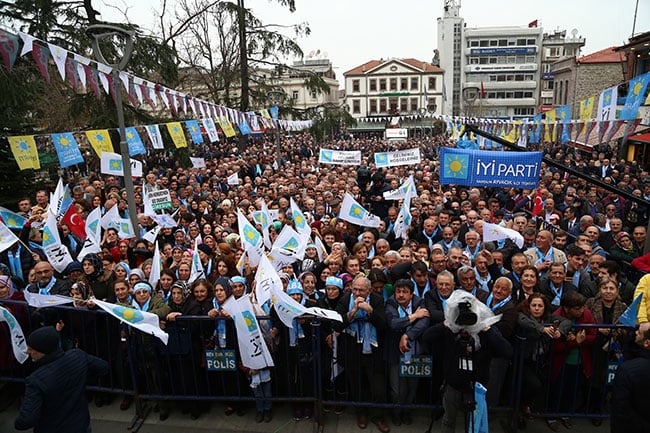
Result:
[{"x": 571, "y": 363}]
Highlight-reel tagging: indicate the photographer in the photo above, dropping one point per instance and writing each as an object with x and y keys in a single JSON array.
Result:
[{"x": 469, "y": 343}]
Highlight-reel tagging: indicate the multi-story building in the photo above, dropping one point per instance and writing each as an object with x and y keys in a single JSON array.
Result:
[
  {"x": 556, "y": 46},
  {"x": 381, "y": 88},
  {"x": 292, "y": 82},
  {"x": 451, "y": 27}
]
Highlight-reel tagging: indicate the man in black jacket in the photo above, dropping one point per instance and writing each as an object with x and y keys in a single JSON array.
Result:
[
  {"x": 54, "y": 394},
  {"x": 630, "y": 396}
]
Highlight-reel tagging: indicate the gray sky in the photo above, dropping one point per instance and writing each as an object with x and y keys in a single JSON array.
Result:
[{"x": 352, "y": 32}]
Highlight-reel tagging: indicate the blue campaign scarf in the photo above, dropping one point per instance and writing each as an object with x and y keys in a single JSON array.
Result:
[
  {"x": 404, "y": 312},
  {"x": 500, "y": 304},
  {"x": 472, "y": 256},
  {"x": 371, "y": 252},
  {"x": 516, "y": 277},
  {"x": 426, "y": 288},
  {"x": 446, "y": 246},
  {"x": 15, "y": 264},
  {"x": 361, "y": 328},
  {"x": 444, "y": 301},
  {"x": 46, "y": 290},
  {"x": 73, "y": 243},
  {"x": 575, "y": 278},
  {"x": 558, "y": 294},
  {"x": 220, "y": 330},
  {"x": 145, "y": 307},
  {"x": 430, "y": 238},
  {"x": 483, "y": 282},
  {"x": 295, "y": 333},
  {"x": 165, "y": 297},
  {"x": 541, "y": 258}
]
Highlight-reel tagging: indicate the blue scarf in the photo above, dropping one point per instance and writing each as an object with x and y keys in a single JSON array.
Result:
[
  {"x": 361, "y": 328},
  {"x": 483, "y": 282},
  {"x": 447, "y": 246},
  {"x": 404, "y": 312},
  {"x": 541, "y": 258},
  {"x": 296, "y": 331},
  {"x": 472, "y": 256},
  {"x": 220, "y": 330},
  {"x": 430, "y": 238},
  {"x": 426, "y": 288},
  {"x": 73, "y": 243},
  {"x": 444, "y": 301},
  {"x": 15, "y": 264},
  {"x": 558, "y": 294},
  {"x": 500, "y": 304},
  {"x": 46, "y": 290}
]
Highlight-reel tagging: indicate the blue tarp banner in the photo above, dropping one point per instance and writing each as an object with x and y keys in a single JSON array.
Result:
[{"x": 489, "y": 168}]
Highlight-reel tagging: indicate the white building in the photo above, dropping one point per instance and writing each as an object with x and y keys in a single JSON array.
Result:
[
  {"x": 292, "y": 82},
  {"x": 451, "y": 27},
  {"x": 381, "y": 88}
]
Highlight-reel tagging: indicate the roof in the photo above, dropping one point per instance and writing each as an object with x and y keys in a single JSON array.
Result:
[
  {"x": 592, "y": 140},
  {"x": 606, "y": 55},
  {"x": 645, "y": 138},
  {"x": 414, "y": 63}
]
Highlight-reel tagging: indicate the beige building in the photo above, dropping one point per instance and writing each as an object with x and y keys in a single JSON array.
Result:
[{"x": 381, "y": 88}]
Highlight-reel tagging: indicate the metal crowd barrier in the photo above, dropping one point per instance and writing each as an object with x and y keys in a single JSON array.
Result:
[{"x": 195, "y": 366}]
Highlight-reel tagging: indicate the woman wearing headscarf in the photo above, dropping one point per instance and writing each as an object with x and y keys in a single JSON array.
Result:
[
  {"x": 623, "y": 252},
  {"x": 99, "y": 280},
  {"x": 334, "y": 383}
]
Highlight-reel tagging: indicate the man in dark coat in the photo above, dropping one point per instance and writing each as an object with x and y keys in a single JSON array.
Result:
[
  {"x": 54, "y": 394},
  {"x": 630, "y": 396}
]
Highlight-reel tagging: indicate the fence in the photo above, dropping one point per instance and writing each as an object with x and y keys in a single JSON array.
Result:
[{"x": 200, "y": 364}]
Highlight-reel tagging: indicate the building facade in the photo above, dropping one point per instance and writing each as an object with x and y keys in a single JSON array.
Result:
[
  {"x": 381, "y": 88},
  {"x": 451, "y": 27},
  {"x": 298, "y": 95}
]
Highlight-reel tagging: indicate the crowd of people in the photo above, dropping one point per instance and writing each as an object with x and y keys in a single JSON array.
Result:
[{"x": 582, "y": 263}]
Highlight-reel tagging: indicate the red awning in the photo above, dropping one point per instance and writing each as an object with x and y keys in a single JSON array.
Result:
[{"x": 645, "y": 138}]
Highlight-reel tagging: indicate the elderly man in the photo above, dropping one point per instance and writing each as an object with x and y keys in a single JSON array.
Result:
[
  {"x": 47, "y": 283},
  {"x": 543, "y": 253},
  {"x": 363, "y": 329},
  {"x": 556, "y": 286}
]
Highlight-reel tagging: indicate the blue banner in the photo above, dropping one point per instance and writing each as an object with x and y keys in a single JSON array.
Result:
[
  {"x": 244, "y": 128},
  {"x": 195, "y": 131},
  {"x": 488, "y": 168},
  {"x": 635, "y": 96},
  {"x": 273, "y": 111},
  {"x": 136, "y": 147},
  {"x": 67, "y": 149}
]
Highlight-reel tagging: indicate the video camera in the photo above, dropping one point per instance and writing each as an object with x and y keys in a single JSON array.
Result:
[{"x": 466, "y": 317}]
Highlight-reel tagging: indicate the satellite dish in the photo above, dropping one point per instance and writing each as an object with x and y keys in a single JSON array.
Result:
[
  {"x": 311, "y": 54},
  {"x": 574, "y": 32}
]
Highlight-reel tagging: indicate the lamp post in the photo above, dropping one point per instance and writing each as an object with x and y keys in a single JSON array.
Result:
[
  {"x": 275, "y": 98},
  {"x": 470, "y": 94},
  {"x": 100, "y": 33},
  {"x": 422, "y": 111}
]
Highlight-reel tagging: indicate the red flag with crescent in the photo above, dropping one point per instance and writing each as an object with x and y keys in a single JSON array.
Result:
[
  {"x": 538, "y": 205},
  {"x": 75, "y": 222}
]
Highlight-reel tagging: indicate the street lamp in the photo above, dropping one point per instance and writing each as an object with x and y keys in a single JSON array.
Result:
[
  {"x": 422, "y": 111},
  {"x": 276, "y": 98},
  {"x": 101, "y": 33},
  {"x": 470, "y": 94}
]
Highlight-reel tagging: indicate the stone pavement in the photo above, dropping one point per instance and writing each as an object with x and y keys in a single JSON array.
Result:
[{"x": 109, "y": 419}]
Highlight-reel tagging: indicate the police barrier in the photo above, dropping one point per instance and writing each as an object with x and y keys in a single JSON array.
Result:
[{"x": 200, "y": 364}]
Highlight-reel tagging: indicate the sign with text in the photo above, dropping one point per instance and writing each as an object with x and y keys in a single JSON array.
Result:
[
  {"x": 339, "y": 157},
  {"x": 221, "y": 360},
  {"x": 400, "y": 157},
  {"x": 160, "y": 199},
  {"x": 416, "y": 366},
  {"x": 396, "y": 133},
  {"x": 489, "y": 168}
]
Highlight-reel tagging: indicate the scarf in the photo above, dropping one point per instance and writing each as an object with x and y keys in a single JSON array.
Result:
[
  {"x": 558, "y": 294},
  {"x": 483, "y": 282},
  {"x": 541, "y": 257},
  {"x": 46, "y": 290},
  {"x": 472, "y": 255},
  {"x": 446, "y": 246},
  {"x": 15, "y": 264},
  {"x": 220, "y": 330},
  {"x": 444, "y": 301},
  {"x": 362, "y": 329},
  {"x": 262, "y": 376},
  {"x": 295, "y": 333},
  {"x": 500, "y": 304},
  {"x": 430, "y": 238},
  {"x": 426, "y": 288},
  {"x": 404, "y": 312}
]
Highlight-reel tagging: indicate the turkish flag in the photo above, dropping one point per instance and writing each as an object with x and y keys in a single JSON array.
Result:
[
  {"x": 538, "y": 205},
  {"x": 482, "y": 90},
  {"x": 75, "y": 222}
]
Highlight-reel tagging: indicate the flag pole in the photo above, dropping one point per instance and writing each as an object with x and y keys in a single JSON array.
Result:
[{"x": 25, "y": 245}]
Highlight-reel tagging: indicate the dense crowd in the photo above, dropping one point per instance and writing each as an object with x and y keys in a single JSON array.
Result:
[{"x": 581, "y": 263}]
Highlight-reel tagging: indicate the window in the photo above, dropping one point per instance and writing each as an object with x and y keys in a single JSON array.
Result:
[
  {"x": 494, "y": 43},
  {"x": 473, "y": 60},
  {"x": 403, "y": 105},
  {"x": 382, "y": 84},
  {"x": 313, "y": 95},
  {"x": 355, "y": 86},
  {"x": 530, "y": 41},
  {"x": 393, "y": 84},
  {"x": 356, "y": 106},
  {"x": 483, "y": 43},
  {"x": 432, "y": 83},
  {"x": 373, "y": 105},
  {"x": 403, "y": 84},
  {"x": 414, "y": 104},
  {"x": 414, "y": 83},
  {"x": 294, "y": 94},
  {"x": 521, "y": 42},
  {"x": 524, "y": 111},
  {"x": 528, "y": 94},
  {"x": 382, "y": 105},
  {"x": 473, "y": 43},
  {"x": 373, "y": 85}
]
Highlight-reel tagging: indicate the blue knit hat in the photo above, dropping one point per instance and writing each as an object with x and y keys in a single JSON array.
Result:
[
  {"x": 294, "y": 288},
  {"x": 334, "y": 281}
]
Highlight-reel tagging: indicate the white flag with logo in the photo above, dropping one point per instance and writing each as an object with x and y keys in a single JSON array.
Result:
[
  {"x": 37, "y": 300},
  {"x": 233, "y": 179},
  {"x": 146, "y": 322},
  {"x": 18, "y": 343},
  {"x": 156, "y": 265},
  {"x": 7, "y": 237},
  {"x": 403, "y": 220},
  {"x": 287, "y": 248},
  {"x": 153, "y": 131},
  {"x": 402, "y": 190},
  {"x": 252, "y": 348},
  {"x": 299, "y": 220},
  {"x": 266, "y": 277},
  {"x": 353, "y": 212},
  {"x": 285, "y": 306},
  {"x": 210, "y": 129},
  {"x": 494, "y": 232},
  {"x": 198, "y": 162},
  {"x": 57, "y": 254},
  {"x": 152, "y": 234},
  {"x": 92, "y": 244},
  {"x": 251, "y": 239},
  {"x": 607, "y": 102},
  {"x": 197, "y": 267},
  {"x": 111, "y": 163}
]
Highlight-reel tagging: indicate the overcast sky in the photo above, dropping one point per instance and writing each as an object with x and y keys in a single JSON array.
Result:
[{"x": 352, "y": 32}]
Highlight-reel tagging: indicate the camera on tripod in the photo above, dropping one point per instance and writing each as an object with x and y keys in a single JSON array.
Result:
[{"x": 466, "y": 317}]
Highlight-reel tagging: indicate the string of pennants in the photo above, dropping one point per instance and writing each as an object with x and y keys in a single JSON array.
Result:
[
  {"x": 557, "y": 125},
  {"x": 87, "y": 75}
]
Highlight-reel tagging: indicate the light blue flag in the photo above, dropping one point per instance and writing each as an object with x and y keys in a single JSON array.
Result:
[
  {"x": 273, "y": 111},
  {"x": 629, "y": 316},
  {"x": 136, "y": 147},
  {"x": 564, "y": 116},
  {"x": 480, "y": 424},
  {"x": 12, "y": 219},
  {"x": 635, "y": 97},
  {"x": 244, "y": 128},
  {"x": 195, "y": 131},
  {"x": 67, "y": 149}
]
